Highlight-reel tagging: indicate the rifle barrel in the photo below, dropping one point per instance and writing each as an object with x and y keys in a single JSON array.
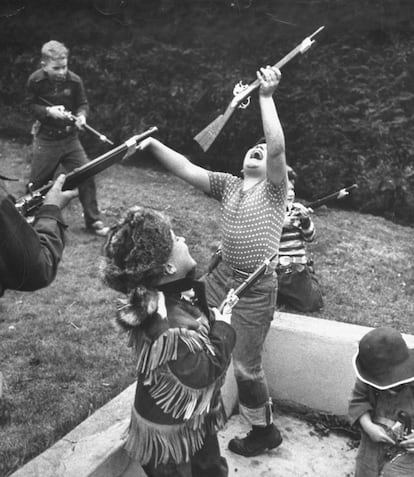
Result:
[
  {"x": 72, "y": 117},
  {"x": 30, "y": 202},
  {"x": 207, "y": 136},
  {"x": 327, "y": 198}
]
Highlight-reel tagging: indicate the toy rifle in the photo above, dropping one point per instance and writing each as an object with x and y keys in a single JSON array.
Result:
[
  {"x": 73, "y": 118},
  {"x": 241, "y": 92},
  {"x": 27, "y": 204},
  {"x": 336, "y": 195},
  {"x": 232, "y": 299},
  {"x": 234, "y": 296}
]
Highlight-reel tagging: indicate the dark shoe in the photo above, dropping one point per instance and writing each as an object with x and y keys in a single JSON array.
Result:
[
  {"x": 257, "y": 441},
  {"x": 98, "y": 228},
  {"x": 5, "y": 411}
]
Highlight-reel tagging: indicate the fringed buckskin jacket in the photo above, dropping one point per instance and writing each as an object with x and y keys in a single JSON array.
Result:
[{"x": 182, "y": 362}]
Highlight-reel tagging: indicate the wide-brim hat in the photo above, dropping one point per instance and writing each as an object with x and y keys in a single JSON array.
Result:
[{"x": 383, "y": 359}]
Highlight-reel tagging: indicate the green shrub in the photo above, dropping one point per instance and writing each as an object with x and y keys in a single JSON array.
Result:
[{"x": 346, "y": 106}]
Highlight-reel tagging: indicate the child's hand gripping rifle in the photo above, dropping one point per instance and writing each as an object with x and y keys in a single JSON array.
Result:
[
  {"x": 207, "y": 136},
  {"x": 73, "y": 118},
  {"x": 233, "y": 296},
  {"x": 27, "y": 204}
]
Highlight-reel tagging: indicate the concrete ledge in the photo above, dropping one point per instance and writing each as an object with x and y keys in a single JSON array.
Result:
[
  {"x": 94, "y": 447},
  {"x": 83, "y": 449},
  {"x": 307, "y": 361}
]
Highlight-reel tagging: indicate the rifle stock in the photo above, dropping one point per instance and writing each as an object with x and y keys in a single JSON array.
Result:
[
  {"x": 207, "y": 136},
  {"x": 28, "y": 204}
]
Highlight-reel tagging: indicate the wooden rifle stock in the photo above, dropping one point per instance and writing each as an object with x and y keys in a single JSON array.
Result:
[
  {"x": 27, "y": 204},
  {"x": 207, "y": 136}
]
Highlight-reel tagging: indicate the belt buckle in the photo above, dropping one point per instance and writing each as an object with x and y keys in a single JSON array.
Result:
[
  {"x": 284, "y": 261},
  {"x": 284, "y": 269},
  {"x": 287, "y": 269}
]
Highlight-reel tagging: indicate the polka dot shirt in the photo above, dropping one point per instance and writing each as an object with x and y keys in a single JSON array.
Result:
[{"x": 251, "y": 221}]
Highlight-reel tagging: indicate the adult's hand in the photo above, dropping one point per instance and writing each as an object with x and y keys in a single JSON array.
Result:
[{"x": 56, "y": 196}]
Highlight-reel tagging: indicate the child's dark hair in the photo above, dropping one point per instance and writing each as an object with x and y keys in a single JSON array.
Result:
[
  {"x": 291, "y": 174},
  {"x": 136, "y": 250}
]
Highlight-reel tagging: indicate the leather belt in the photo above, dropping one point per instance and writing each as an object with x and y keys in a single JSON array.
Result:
[{"x": 57, "y": 133}]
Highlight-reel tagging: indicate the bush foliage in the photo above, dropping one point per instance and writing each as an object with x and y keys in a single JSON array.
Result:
[{"x": 346, "y": 105}]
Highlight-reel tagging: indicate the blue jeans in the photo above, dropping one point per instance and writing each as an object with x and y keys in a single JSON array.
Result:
[
  {"x": 402, "y": 466},
  {"x": 251, "y": 319},
  {"x": 48, "y": 155},
  {"x": 370, "y": 457},
  {"x": 371, "y": 461}
]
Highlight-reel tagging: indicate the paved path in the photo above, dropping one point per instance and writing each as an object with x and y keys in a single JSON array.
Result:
[{"x": 303, "y": 452}]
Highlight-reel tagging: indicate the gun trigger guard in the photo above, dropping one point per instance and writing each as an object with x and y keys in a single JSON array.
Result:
[{"x": 239, "y": 88}]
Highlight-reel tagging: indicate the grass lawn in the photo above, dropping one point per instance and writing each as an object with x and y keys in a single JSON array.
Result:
[{"x": 60, "y": 353}]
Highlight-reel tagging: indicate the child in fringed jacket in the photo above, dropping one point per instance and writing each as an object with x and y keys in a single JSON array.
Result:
[
  {"x": 382, "y": 403},
  {"x": 183, "y": 349}
]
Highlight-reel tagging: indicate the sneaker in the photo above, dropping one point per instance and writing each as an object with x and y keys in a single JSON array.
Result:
[
  {"x": 98, "y": 228},
  {"x": 257, "y": 441}
]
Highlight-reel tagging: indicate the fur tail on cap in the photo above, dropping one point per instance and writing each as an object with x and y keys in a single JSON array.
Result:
[{"x": 142, "y": 303}]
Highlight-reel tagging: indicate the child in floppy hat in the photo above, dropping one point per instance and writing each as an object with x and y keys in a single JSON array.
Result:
[
  {"x": 382, "y": 403},
  {"x": 183, "y": 349}
]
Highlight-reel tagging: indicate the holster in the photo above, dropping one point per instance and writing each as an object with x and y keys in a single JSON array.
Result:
[
  {"x": 214, "y": 260},
  {"x": 36, "y": 126}
]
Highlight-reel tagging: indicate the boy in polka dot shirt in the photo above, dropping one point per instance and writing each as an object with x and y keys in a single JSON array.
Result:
[{"x": 252, "y": 216}]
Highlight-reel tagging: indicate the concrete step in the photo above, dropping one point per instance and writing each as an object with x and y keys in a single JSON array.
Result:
[{"x": 303, "y": 453}]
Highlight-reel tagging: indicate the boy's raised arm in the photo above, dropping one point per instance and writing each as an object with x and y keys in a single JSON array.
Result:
[
  {"x": 276, "y": 161},
  {"x": 178, "y": 164}
]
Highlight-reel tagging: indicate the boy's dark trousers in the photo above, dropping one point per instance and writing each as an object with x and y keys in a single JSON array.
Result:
[
  {"x": 207, "y": 462},
  {"x": 298, "y": 288},
  {"x": 49, "y": 154}
]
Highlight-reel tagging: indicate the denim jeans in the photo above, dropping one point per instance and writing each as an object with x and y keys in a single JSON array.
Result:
[
  {"x": 371, "y": 461},
  {"x": 401, "y": 466},
  {"x": 48, "y": 155},
  {"x": 370, "y": 457},
  {"x": 251, "y": 319}
]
